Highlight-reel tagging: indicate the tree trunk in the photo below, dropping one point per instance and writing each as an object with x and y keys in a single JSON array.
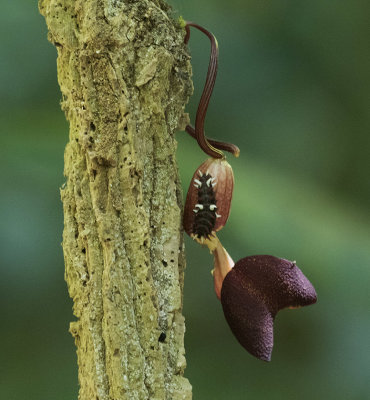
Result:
[{"x": 124, "y": 74}]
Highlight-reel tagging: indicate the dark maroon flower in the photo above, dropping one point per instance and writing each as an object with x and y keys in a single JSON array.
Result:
[{"x": 252, "y": 293}]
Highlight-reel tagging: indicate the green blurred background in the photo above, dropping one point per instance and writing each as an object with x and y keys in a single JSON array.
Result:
[{"x": 293, "y": 93}]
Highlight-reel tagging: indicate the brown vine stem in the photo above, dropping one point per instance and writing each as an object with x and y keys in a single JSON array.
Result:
[{"x": 211, "y": 147}]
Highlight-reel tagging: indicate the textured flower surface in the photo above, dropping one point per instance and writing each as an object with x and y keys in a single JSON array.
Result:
[
  {"x": 252, "y": 293},
  {"x": 208, "y": 201}
]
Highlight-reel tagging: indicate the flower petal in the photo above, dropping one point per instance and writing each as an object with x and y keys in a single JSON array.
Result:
[{"x": 254, "y": 291}]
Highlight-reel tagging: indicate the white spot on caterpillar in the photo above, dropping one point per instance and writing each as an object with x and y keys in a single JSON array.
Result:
[
  {"x": 209, "y": 182},
  {"x": 200, "y": 206},
  {"x": 218, "y": 215},
  {"x": 200, "y": 173},
  {"x": 212, "y": 207},
  {"x": 198, "y": 183}
]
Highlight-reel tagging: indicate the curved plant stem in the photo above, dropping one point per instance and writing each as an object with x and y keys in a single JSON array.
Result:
[{"x": 211, "y": 147}]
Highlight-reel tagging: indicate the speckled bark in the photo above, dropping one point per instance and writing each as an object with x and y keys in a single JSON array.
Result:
[{"x": 124, "y": 74}]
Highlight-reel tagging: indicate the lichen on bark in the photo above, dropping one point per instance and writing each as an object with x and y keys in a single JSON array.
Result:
[{"x": 124, "y": 75}]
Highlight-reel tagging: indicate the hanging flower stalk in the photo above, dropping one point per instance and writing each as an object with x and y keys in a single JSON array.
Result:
[{"x": 255, "y": 288}]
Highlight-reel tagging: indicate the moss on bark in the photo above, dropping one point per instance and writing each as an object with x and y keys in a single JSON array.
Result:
[{"x": 124, "y": 74}]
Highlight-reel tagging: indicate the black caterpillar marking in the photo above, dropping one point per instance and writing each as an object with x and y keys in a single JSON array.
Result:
[{"x": 205, "y": 219}]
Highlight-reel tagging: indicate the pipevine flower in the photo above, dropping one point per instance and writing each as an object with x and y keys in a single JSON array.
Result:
[
  {"x": 252, "y": 292},
  {"x": 254, "y": 289}
]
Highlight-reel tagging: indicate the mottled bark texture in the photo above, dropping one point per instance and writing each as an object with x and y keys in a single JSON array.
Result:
[{"x": 124, "y": 74}]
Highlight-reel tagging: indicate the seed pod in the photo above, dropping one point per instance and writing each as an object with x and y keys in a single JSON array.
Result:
[
  {"x": 208, "y": 201},
  {"x": 252, "y": 293}
]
